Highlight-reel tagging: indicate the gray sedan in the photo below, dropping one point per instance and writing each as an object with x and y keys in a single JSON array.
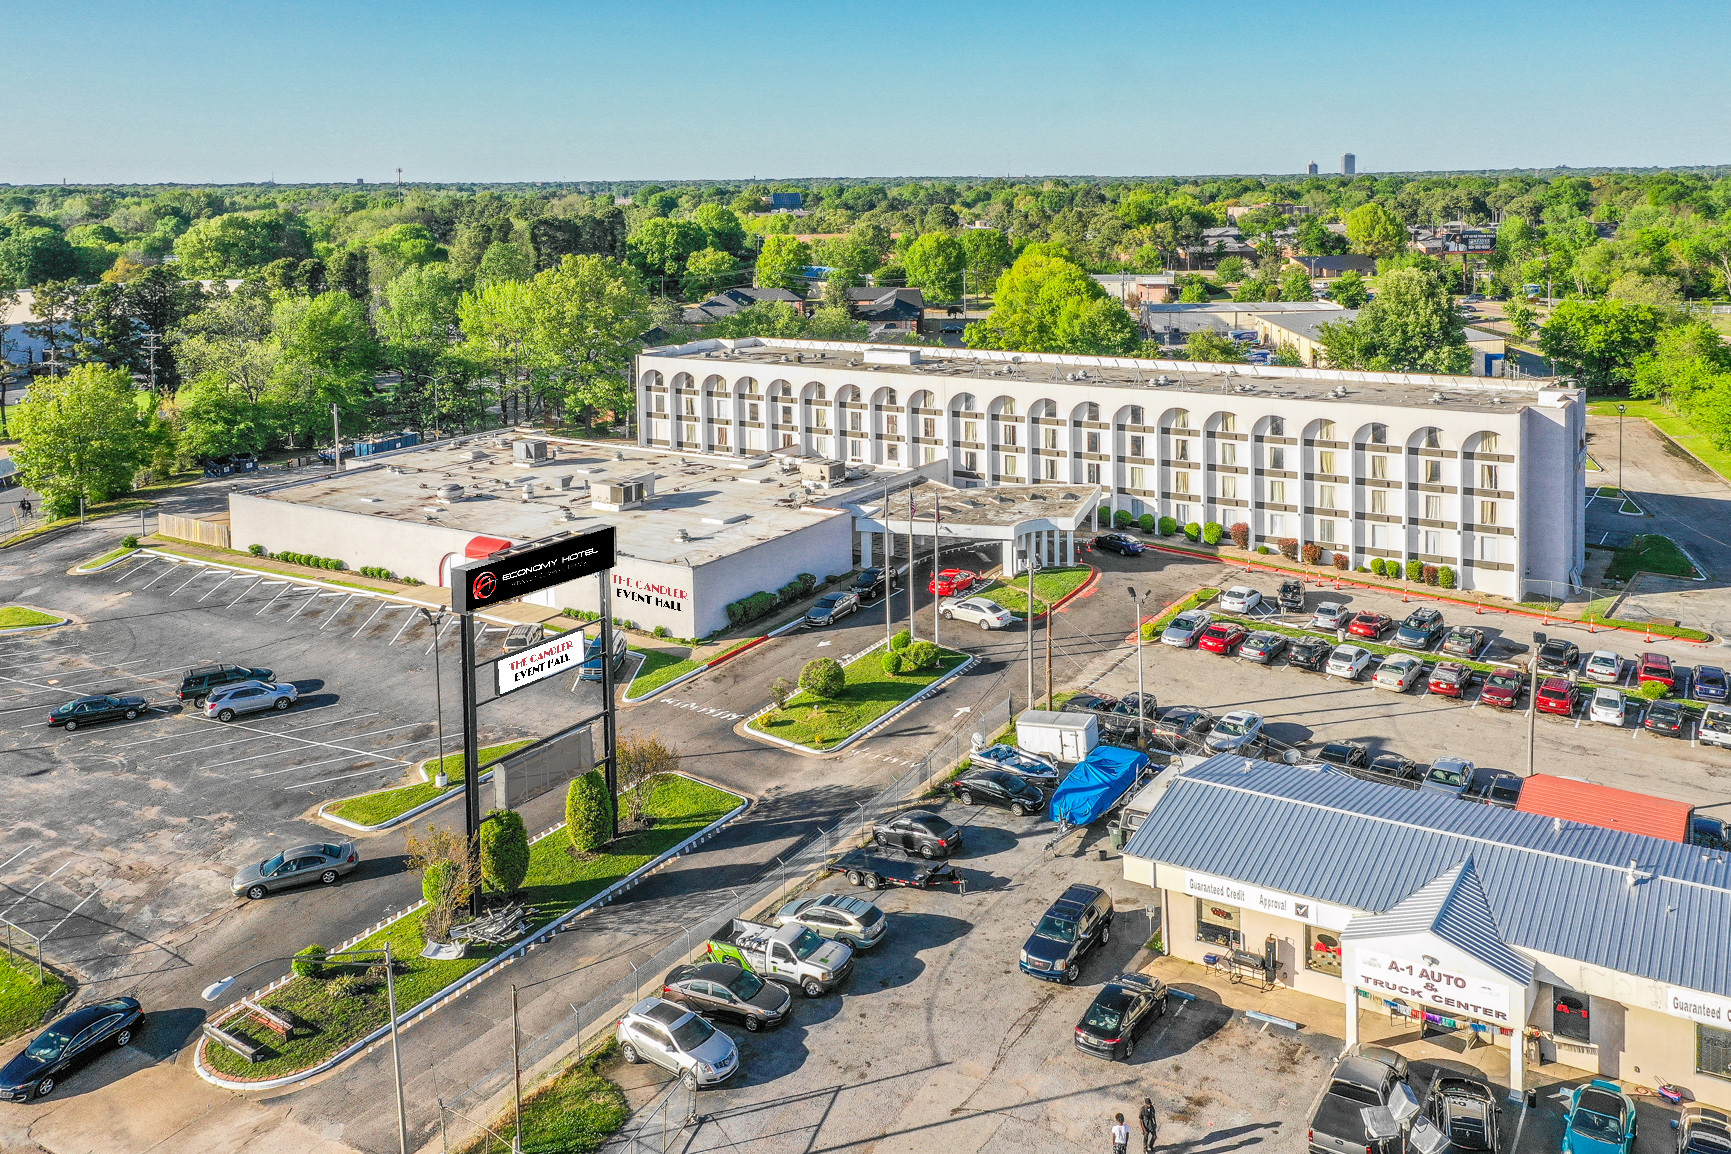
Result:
[
  {"x": 299, "y": 866},
  {"x": 249, "y": 697}
]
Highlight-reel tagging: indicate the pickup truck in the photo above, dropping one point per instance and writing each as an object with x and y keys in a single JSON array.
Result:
[
  {"x": 793, "y": 955},
  {"x": 877, "y": 870},
  {"x": 1363, "y": 1080}
]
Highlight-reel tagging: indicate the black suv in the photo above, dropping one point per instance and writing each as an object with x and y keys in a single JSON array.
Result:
[
  {"x": 198, "y": 683},
  {"x": 1181, "y": 727},
  {"x": 1310, "y": 653},
  {"x": 872, "y": 583},
  {"x": 1558, "y": 656},
  {"x": 1077, "y": 922},
  {"x": 1122, "y": 723},
  {"x": 1420, "y": 630},
  {"x": 1345, "y": 754}
]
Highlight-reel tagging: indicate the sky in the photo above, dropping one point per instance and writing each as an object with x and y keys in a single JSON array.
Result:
[{"x": 202, "y": 91}]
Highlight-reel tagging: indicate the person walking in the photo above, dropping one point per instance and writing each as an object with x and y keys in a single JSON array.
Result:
[
  {"x": 1150, "y": 1126},
  {"x": 1120, "y": 1137}
]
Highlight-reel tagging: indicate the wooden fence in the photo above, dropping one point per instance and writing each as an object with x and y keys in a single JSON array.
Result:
[{"x": 214, "y": 533}]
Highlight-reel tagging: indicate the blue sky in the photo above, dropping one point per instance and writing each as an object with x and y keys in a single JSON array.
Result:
[{"x": 316, "y": 90}]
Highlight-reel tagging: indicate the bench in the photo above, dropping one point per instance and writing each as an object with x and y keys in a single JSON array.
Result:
[
  {"x": 248, "y": 1050},
  {"x": 275, "y": 1023}
]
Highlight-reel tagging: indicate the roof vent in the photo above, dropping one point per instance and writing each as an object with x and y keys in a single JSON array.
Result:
[
  {"x": 681, "y": 535},
  {"x": 450, "y": 493},
  {"x": 1436, "y": 398},
  {"x": 1634, "y": 876}
]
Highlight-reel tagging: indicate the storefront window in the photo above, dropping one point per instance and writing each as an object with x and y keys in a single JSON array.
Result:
[
  {"x": 1218, "y": 924},
  {"x": 1713, "y": 1051},
  {"x": 1322, "y": 951},
  {"x": 1569, "y": 1018}
]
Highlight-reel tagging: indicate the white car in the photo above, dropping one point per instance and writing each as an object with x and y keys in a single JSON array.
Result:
[
  {"x": 677, "y": 1040},
  {"x": 1603, "y": 665},
  {"x": 1396, "y": 673},
  {"x": 985, "y": 613},
  {"x": 1609, "y": 707},
  {"x": 1715, "y": 728},
  {"x": 1348, "y": 661},
  {"x": 1330, "y": 615},
  {"x": 1185, "y": 628},
  {"x": 249, "y": 697},
  {"x": 1240, "y": 599}
]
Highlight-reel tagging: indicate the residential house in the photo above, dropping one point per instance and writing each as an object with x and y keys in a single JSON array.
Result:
[{"x": 1136, "y": 288}]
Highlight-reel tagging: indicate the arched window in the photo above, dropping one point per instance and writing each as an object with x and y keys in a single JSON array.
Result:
[
  {"x": 1487, "y": 442},
  {"x": 1009, "y": 409},
  {"x": 1093, "y": 412},
  {"x": 1180, "y": 418},
  {"x": 1325, "y": 430},
  {"x": 1431, "y": 438},
  {"x": 1277, "y": 426},
  {"x": 1379, "y": 434},
  {"x": 818, "y": 393},
  {"x": 889, "y": 396},
  {"x": 1228, "y": 422},
  {"x": 963, "y": 402}
]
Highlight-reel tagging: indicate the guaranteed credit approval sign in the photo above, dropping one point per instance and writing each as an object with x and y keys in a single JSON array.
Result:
[{"x": 531, "y": 665}]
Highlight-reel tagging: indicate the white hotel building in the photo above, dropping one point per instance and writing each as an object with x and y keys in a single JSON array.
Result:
[{"x": 1486, "y": 475}]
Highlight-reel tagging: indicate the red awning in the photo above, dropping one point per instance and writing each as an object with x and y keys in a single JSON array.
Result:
[
  {"x": 484, "y": 547},
  {"x": 1605, "y": 807}
]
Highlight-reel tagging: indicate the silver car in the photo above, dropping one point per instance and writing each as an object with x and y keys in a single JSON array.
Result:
[
  {"x": 1330, "y": 615},
  {"x": 1186, "y": 628},
  {"x": 985, "y": 613},
  {"x": 839, "y": 917},
  {"x": 677, "y": 1040},
  {"x": 230, "y": 701},
  {"x": 1237, "y": 732},
  {"x": 300, "y": 865}
]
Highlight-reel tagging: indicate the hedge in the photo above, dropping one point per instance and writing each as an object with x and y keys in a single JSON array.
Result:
[
  {"x": 1241, "y": 534},
  {"x": 314, "y": 965},
  {"x": 1168, "y": 526},
  {"x": 920, "y": 655},
  {"x": 1212, "y": 532},
  {"x": 309, "y": 560},
  {"x": 750, "y": 608},
  {"x": 1122, "y": 519}
]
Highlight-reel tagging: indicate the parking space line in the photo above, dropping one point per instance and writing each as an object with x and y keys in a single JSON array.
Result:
[
  {"x": 38, "y": 885},
  {"x": 223, "y": 581},
  {"x": 16, "y": 856},
  {"x": 165, "y": 572},
  {"x": 413, "y": 617},
  {"x": 278, "y": 753},
  {"x": 311, "y": 600},
  {"x": 360, "y": 753},
  {"x": 286, "y": 586},
  {"x": 338, "y": 613},
  {"x": 249, "y": 589},
  {"x": 381, "y": 608},
  {"x": 440, "y": 636},
  {"x": 237, "y": 741},
  {"x": 69, "y": 914},
  {"x": 134, "y": 570},
  {"x": 198, "y": 572}
]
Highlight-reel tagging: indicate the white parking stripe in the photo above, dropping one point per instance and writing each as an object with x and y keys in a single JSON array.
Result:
[
  {"x": 369, "y": 620},
  {"x": 249, "y": 589},
  {"x": 286, "y": 586},
  {"x": 166, "y": 571},
  {"x": 16, "y": 856},
  {"x": 39, "y": 884},
  {"x": 278, "y": 752},
  {"x": 196, "y": 574},
  {"x": 365, "y": 753},
  {"x": 69, "y": 914},
  {"x": 337, "y": 613},
  {"x": 259, "y": 737}
]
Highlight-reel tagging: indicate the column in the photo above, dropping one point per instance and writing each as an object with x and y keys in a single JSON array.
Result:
[
  {"x": 1009, "y": 557},
  {"x": 1070, "y": 547},
  {"x": 865, "y": 550},
  {"x": 1351, "y": 1015}
]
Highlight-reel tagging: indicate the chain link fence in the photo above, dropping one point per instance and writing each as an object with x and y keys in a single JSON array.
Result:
[{"x": 480, "y": 1118}]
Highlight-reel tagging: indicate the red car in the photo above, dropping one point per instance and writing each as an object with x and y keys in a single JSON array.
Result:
[
  {"x": 1502, "y": 688},
  {"x": 951, "y": 582},
  {"x": 1371, "y": 625},
  {"x": 1450, "y": 678},
  {"x": 1221, "y": 636},
  {"x": 1657, "y": 667},
  {"x": 1556, "y": 695}
]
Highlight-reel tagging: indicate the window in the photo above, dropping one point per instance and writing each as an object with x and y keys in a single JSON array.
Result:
[
  {"x": 1012, "y": 467},
  {"x": 1180, "y": 419},
  {"x": 1093, "y": 442},
  {"x": 1488, "y": 477},
  {"x": 1488, "y": 549},
  {"x": 1051, "y": 438},
  {"x": 691, "y": 432},
  {"x": 1228, "y": 423},
  {"x": 1051, "y": 465},
  {"x": 1217, "y": 923},
  {"x": 1379, "y": 434},
  {"x": 1713, "y": 1051},
  {"x": 1433, "y": 542},
  {"x": 691, "y": 406},
  {"x": 1433, "y": 472},
  {"x": 1379, "y": 501},
  {"x": 1276, "y": 525},
  {"x": 1433, "y": 509},
  {"x": 1487, "y": 512},
  {"x": 820, "y": 419},
  {"x": 1181, "y": 481},
  {"x": 971, "y": 462},
  {"x": 1138, "y": 477},
  {"x": 1379, "y": 536},
  {"x": 1325, "y": 431},
  {"x": 931, "y": 427},
  {"x": 1277, "y": 426},
  {"x": 1135, "y": 414},
  {"x": 1008, "y": 434},
  {"x": 751, "y": 412},
  {"x": 1325, "y": 462},
  {"x": 1325, "y": 499},
  {"x": 1182, "y": 449},
  {"x": 1092, "y": 412},
  {"x": 1322, "y": 951},
  {"x": 893, "y": 425},
  {"x": 853, "y": 421},
  {"x": 1135, "y": 446},
  {"x": 930, "y": 453},
  {"x": 660, "y": 402},
  {"x": 971, "y": 431},
  {"x": 818, "y": 394},
  {"x": 895, "y": 454},
  {"x": 1487, "y": 442},
  {"x": 721, "y": 436},
  {"x": 1229, "y": 454},
  {"x": 1277, "y": 492},
  {"x": 855, "y": 450},
  {"x": 1433, "y": 438},
  {"x": 1277, "y": 458},
  {"x": 1379, "y": 468},
  {"x": 1325, "y": 532},
  {"x": 787, "y": 414},
  {"x": 1229, "y": 487},
  {"x": 1009, "y": 409},
  {"x": 1093, "y": 473},
  {"x": 889, "y": 396}
]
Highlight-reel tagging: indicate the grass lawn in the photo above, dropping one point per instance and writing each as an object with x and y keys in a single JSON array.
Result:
[
  {"x": 105, "y": 558},
  {"x": 1651, "y": 553},
  {"x": 573, "y": 1112},
  {"x": 23, "y": 1000},
  {"x": 1627, "y": 505},
  {"x": 869, "y": 694},
  {"x": 1673, "y": 426},
  {"x": 1049, "y": 585},
  {"x": 382, "y": 806},
  {"x": 331, "y": 1013},
  {"x": 663, "y": 665},
  {"x": 17, "y": 616},
  {"x": 262, "y": 565}
]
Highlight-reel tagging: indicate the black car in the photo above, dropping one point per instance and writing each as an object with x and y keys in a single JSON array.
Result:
[
  {"x": 1665, "y": 717},
  {"x": 873, "y": 583},
  {"x": 1181, "y": 727},
  {"x": 1124, "y": 1008},
  {"x": 1078, "y": 921},
  {"x": 996, "y": 787},
  {"x": 1345, "y": 754},
  {"x": 1703, "y": 1130},
  {"x": 198, "y": 683},
  {"x": 1292, "y": 596},
  {"x": 1558, "y": 656},
  {"x": 1263, "y": 647},
  {"x": 1121, "y": 543},
  {"x": 918, "y": 831},
  {"x": 89, "y": 710},
  {"x": 1310, "y": 653},
  {"x": 1098, "y": 704},
  {"x": 68, "y": 1044},
  {"x": 1420, "y": 629},
  {"x": 1465, "y": 1110},
  {"x": 1388, "y": 768},
  {"x": 1464, "y": 641},
  {"x": 1502, "y": 790},
  {"x": 1133, "y": 715},
  {"x": 725, "y": 991}
]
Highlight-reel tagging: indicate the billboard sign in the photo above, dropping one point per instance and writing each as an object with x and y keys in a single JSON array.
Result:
[
  {"x": 1430, "y": 982},
  {"x": 530, "y": 568},
  {"x": 539, "y": 662}
]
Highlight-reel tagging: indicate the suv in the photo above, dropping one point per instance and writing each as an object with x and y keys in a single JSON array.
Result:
[
  {"x": 1558, "y": 656},
  {"x": 197, "y": 684},
  {"x": 677, "y": 1040},
  {"x": 249, "y": 697},
  {"x": 1449, "y": 775},
  {"x": 1420, "y": 630},
  {"x": 1078, "y": 921}
]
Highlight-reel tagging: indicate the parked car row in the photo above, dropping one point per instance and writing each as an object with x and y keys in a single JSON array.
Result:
[{"x": 221, "y": 692}]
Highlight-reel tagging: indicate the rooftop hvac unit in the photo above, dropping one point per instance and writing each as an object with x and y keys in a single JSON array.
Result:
[
  {"x": 822, "y": 472},
  {"x": 617, "y": 496},
  {"x": 528, "y": 452}
]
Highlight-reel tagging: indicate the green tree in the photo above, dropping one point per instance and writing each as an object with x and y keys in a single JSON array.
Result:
[
  {"x": 327, "y": 355},
  {"x": 238, "y": 243},
  {"x": 498, "y": 322},
  {"x": 1374, "y": 231},
  {"x": 407, "y": 244},
  {"x": 1216, "y": 348},
  {"x": 504, "y": 261},
  {"x": 660, "y": 246},
  {"x": 823, "y": 677},
  {"x": 1411, "y": 327},
  {"x": 589, "y": 316},
  {"x": 1690, "y": 369},
  {"x": 721, "y": 228},
  {"x": 1522, "y": 319},
  {"x": 1195, "y": 291},
  {"x": 988, "y": 255},
  {"x": 32, "y": 256},
  {"x": 1044, "y": 304},
  {"x": 1231, "y": 270},
  {"x": 588, "y": 818},
  {"x": 417, "y": 324},
  {"x": 780, "y": 262},
  {"x": 935, "y": 262},
  {"x": 1295, "y": 285},
  {"x": 1314, "y": 238},
  {"x": 215, "y": 418},
  {"x": 504, "y": 851},
  {"x": 1599, "y": 341},
  {"x": 1259, "y": 288},
  {"x": 230, "y": 340},
  {"x": 1349, "y": 290},
  {"x": 708, "y": 271},
  {"x": 79, "y": 436}
]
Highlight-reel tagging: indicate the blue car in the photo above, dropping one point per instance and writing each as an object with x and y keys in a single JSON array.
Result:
[
  {"x": 1709, "y": 683},
  {"x": 591, "y": 670},
  {"x": 1600, "y": 1120},
  {"x": 1121, "y": 543}
]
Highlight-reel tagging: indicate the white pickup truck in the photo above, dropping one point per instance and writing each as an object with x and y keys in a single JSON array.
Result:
[{"x": 793, "y": 955}]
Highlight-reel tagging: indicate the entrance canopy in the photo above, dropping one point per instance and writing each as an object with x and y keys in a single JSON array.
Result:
[{"x": 1038, "y": 521}]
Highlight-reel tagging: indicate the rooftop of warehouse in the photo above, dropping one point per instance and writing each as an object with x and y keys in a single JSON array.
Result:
[{"x": 984, "y": 367}]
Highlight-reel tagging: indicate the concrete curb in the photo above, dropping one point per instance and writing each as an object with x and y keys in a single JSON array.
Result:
[
  {"x": 454, "y": 791},
  {"x": 80, "y": 570},
  {"x": 34, "y": 628},
  {"x": 435, "y": 1001},
  {"x": 707, "y": 665}
]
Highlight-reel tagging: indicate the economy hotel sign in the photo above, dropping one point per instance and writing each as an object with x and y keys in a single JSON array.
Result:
[{"x": 530, "y": 568}]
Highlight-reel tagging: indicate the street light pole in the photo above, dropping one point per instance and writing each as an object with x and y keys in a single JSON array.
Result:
[
  {"x": 1621, "y": 409},
  {"x": 1533, "y": 701},
  {"x": 1141, "y": 712},
  {"x": 1029, "y": 570},
  {"x": 438, "y": 688},
  {"x": 336, "y": 438}
]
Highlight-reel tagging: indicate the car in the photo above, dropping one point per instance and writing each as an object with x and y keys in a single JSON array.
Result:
[
  {"x": 1329, "y": 615},
  {"x": 1310, "y": 653},
  {"x": 918, "y": 831},
  {"x": 1348, "y": 661},
  {"x": 1033, "y": 766},
  {"x": 1708, "y": 832},
  {"x": 249, "y": 697},
  {"x": 1240, "y": 599},
  {"x": 1292, "y": 595},
  {"x": 1078, "y": 921},
  {"x": 996, "y": 787},
  {"x": 68, "y": 1044},
  {"x": 1263, "y": 647},
  {"x": 981, "y": 611},
  {"x": 1464, "y": 641},
  {"x": 1119, "y": 1015},
  {"x": 196, "y": 683},
  {"x": 1221, "y": 637},
  {"x": 838, "y": 917},
  {"x": 1391, "y": 768},
  {"x": 1421, "y": 629},
  {"x": 522, "y": 637},
  {"x": 1600, "y": 1119},
  {"x": 1603, "y": 665},
  {"x": 1666, "y": 717},
  {"x": 1121, "y": 543},
  {"x": 1710, "y": 683},
  {"x": 1184, "y": 629},
  {"x": 1465, "y": 1110},
  {"x": 873, "y": 582},
  {"x": 1656, "y": 667},
  {"x": 832, "y": 607},
  {"x": 1449, "y": 774},
  {"x": 1369, "y": 625},
  {"x": 1450, "y": 678},
  {"x": 951, "y": 582},
  {"x": 1701, "y": 1130},
  {"x": 1238, "y": 732},
  {"x": 1609, "y": 707},
  {"x": 723, "y": 990},
  {"x": 1556, "y": 695},
  {"x": 90, "y": 710},
  {"x": 1344, "y": 754},
  {"x": 591, "y": 668},
  {"x": 1398, "y": 673},
  {"x": 668, "y": 1035},
  {"x": 1715, "y": 727},
  {"x": 1502, "y": 790},
  {"x": 1180, "y": 727},
  {"x": 1558, "y": 656},
  {"x": 1503, "y": 687},
  {"x": 297, "y": 866},
  {"x": 1095, "y": 703}
]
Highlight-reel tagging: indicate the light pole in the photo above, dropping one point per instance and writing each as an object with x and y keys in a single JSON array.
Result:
[
  {"x": 1533, "y": 700},
  {"x": 437, "y": 622},
  {"x": 1030, "y": 569},
  {"x": 889, "y": 573},
  {"x": 1141, "y": 711},
  {"x": 217, "y": 989},
  {"x": 1621, "y": 409}
]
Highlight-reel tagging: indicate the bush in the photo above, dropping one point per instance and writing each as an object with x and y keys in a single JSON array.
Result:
[
  {"x": 1241, "y": 535},
  {"x": 1121, "y": 519},
  {"x": 738, "y": 612},
  {"x": 1446, "y": 577},
  {"x": 823, "y": 677},
  {"x": 1361, "y": 569},
  {"x": 1378, "y": 566},
  {"x": 1431, "y": 575},
  {"x": 314, "y": 966},
  {"x": 255, "y": 550},
  {"x": 920, "y": 655},
  {"x": 1414, "y": 570},
  {"x": 504, "y": 851},
  {"x": 1192, "y": 531},
  {"x": 891, "y": 660},
  {"x": 435, "y": 880},
  {"x": 1168, "y": 526},
  {"x": 660, "y": 631},
  {"x": 900, "y": 641},
  {"x": 587, "y": 819},
  {"x": 378, "y": 571},
  {"x": 1340, "y": 560},
  {"x": 1104, "y": 516},
  {"x": 130, "y": 541},
  {"x": 1146, "y": 522},
  {"x": 1264, "y": 550},
  {"x": 1288, "y": 547},
  {"x": 1212, "y": 532},
  {"x": 1652, "y": 690},
  {"x": 1312, "y": 553}
]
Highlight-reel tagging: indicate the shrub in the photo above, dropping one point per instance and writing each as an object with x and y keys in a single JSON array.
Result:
[
  {"x": 1104, "y": 516},
  {"x": 504, "y": 851},
  {"x": 434, "y": 880},
  {"x": 378, "y": 571},
  {"x": 587, "y": 820},
  {"x": 1446, "y": 577},
  {"x": 1147, "y": 631},
  {"x": 738, "y": 612},
  {"x": 1361, "y": 569},
  {"x": 1652, "y": 690},
  {"x": 823, "y": 677},
  {"x": 1121, "y": 519},
  {"x": 1431, "y": 575},
  {"x": 1212, "y": 532},
  {"x": 130, "y": 541},
  {"x": 780, "y": 690},
  {"x": 1241, "y": 535},
  {"x": 1340, "y": 561},
  {"x": 1146, "y": 522},
  {"x": 1414, "y": 570},
  {"x": 1168, "y": 526},
  {"x": 314, "y": 966},
  {"x": 1264, "y": 550},
  {"x": 900, "y": 641},
  {"x": 891, "y": 660},
  {"x": 920, "y": 655},
  {"x": 1378, "y": 566},
  {"x": 255, "y": 550},
  {"x": 1288, "y": 547},
  {"x": 1312, "y": 553},
  {"x": 660, "y": 631},
  {"x": 1192, "y": 531}
]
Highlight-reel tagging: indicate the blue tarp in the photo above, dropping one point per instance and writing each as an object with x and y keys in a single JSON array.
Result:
[{"x": 1096, "y": 784}]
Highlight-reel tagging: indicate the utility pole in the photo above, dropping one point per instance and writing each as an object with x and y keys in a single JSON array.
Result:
[
  {"x": 1029, "y": 570},
  {"x": 889, "y": 573},
  {"x": 336, "y": 438},
  {"x": 1621, "y": 409},
  {"x": 937, "y": 598},
  {"x": 1533, "y": 700},
  {"x": 1141, "y": 710},
  {"x": 399, "y": 201},
  {"x": 150, "y": 347},
  {"x": 911, "y": 632}
]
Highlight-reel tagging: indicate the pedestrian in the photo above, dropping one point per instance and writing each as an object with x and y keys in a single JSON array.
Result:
[
  {"x": 1120, "y": 1137},
  {"x": 24, "y": 504},
  {"x": 1150, "y": 1126}
]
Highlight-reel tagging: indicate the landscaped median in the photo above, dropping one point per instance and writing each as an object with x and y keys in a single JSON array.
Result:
[
  {"x": 376, "y": 810},
  {"x": 820, "y": 724},
  {"x": 24, "y": 617},
  {"x": 335, "y": 1008},
  {"x": 113, "y": 556},
  {"x": 1050, "y": 587},
  {"x": 660, "y": 668},
  {"x": 1651, "y": 553}
]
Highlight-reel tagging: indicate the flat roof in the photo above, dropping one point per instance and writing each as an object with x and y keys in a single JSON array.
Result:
[
  {"x": 724, "y": 504},
  {"x": 994, "y": 508}
]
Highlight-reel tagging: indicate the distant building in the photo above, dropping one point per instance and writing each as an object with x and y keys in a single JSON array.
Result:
[
  {"x": 1348, "y": 164},
  {"x": 1135, "y": 288},
  {"x": 1455, "y": 236},
  {"x": 1329, "y": 267},
  {"x": 786, "y": 200},
  {"x": 1284, "y": 207},
  {"x": 734, "y": 300},
  {"x": 1311, "y": 171}
]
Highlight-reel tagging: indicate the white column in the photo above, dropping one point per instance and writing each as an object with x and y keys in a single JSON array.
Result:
[
  {"x": 865, "y": 550},
  {"x": 1070, "y": 547},
  {"x": 1518, "y": 1049},
  {"x": 1351, "y": 1015},
  {"x": 1009, "y": 557}
]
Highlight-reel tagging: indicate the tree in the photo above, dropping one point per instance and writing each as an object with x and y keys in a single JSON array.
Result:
[
  {"x": 823, "y": 677},
  {"x": 588, "y": 319},
  {"x": 642, "y": 761},
  {"x": 498, "y": 323},
  {"x": 407, "y": 244},
  {"x": 32, "y": 256},
  {"x": 1260, "y": 288},
  {"x": 1374, "y": 231},
  {"x": 1231, "y": 270},
  {"x": 447, "y": 877},
  {"x": 1044, "y": 304},
  {"x": 935, "y": 262},
  {"x": 504, "y": 262},
  {"x": 708, "y": 271},
  {"x": 216, "y": 418},
  {"x": 1295, "y": 285},
  {"x": 1599, "y": 341},
  {"x": 1522, "y": 319},
  {"x": 1213, "y": 347},
  {"x": 159, "y": 301},
  {"x": 989, "y": 254},
  {"x": 721, "y": 228},
  {"x": 1097, "y": 327},
  {"x": 780, "y": 263},
  {"x": 238, "y": 243},
  {"x": 1195, "y": 291},
  {"x": 1314, "y": 238},
  {"x": 327, "y": 355},
  {"x": 1349, "y": 290},
  {"x": 230, "y": 340},
  {"x": 79, "y": 436},
  {"x": 588, "y": 819},
  {"x": 504, "y": 851},
  {"x": 417, "y": 324},
  {"x": 660, "y": 246},
  {"x": 1411, "y": 326}
]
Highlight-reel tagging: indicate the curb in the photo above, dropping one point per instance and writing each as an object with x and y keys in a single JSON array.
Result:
[
  {"x": 712, "y": 663},
  {"x": 1093, "y": 579},
  {"x": 408, "y": 1017},
  {"x": 80, "y": 570},
  {"x": 454, "y": 791}
]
